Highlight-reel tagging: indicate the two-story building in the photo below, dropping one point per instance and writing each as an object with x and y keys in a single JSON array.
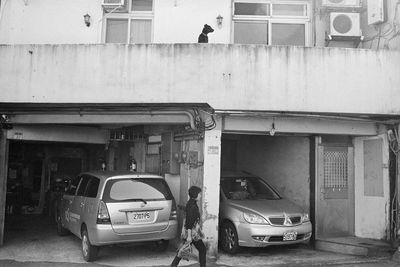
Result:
[{"x": 302, "y": 93}]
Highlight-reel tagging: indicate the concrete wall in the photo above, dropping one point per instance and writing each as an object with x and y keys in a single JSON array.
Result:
[
  {"x": 251, "y": 77},
  {"x": 284, "y": 162}
]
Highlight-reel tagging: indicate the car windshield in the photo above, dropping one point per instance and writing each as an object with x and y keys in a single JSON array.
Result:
[
  {"x": 247, "y": 188},
  {"x": 141, "y": 190}
]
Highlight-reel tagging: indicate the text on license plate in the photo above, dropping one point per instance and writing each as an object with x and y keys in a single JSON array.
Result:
[
  {"x": 289, "y": 236},
  {"x": 144, "y": 216}
]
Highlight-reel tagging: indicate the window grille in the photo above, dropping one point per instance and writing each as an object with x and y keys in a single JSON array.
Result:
[{"x": 336, "y": 167}]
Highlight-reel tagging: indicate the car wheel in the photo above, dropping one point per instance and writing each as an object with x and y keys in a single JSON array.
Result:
[
  {"x": 161, "y": 245},
  {"x": 61, "y": 231},
  {"x": 89, "y": 252},
  {"x": 230, "y": 242}
]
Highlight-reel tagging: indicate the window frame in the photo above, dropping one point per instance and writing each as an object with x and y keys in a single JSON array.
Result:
[
  {"x": 271, "y": 19},
  {"x": 129, "y": 16}
]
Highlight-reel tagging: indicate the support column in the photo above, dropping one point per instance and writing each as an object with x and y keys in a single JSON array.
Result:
[
  {"x": 211, "y": 180},
  {"x": 3, "y": 180}
]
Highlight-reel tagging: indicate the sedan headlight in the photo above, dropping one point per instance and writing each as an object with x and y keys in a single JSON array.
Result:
[
  {"x": 306, "y": 217},
  {"x": 254, "y": 218}
]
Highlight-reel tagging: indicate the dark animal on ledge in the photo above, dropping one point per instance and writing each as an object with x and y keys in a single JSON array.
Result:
[{"x": 203, "y": 38}]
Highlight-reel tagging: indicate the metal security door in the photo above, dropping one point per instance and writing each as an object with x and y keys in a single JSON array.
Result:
[{"x": 335, "y": 191}]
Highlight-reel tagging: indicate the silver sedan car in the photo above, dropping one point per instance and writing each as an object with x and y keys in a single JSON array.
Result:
[
  {"x": 104, "y": 208},
  {"x": 253, "y": 214}
]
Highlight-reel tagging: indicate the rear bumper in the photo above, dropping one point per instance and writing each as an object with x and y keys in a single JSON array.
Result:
[
  {"x": 270, "y": 235},
  {"x": 103, "y": 234}
]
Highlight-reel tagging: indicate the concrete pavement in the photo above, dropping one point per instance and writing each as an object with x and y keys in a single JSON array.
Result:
[{"x": 34, "y": 242}]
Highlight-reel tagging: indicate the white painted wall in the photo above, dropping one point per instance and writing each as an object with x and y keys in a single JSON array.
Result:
[
  {"x": 49, "y": 21},
  {"x": 371, "y": 213},
  {"x": 61, "y": 22},
  {"x": 181, "y": 21},
  {"x": 175, "y": 21}
]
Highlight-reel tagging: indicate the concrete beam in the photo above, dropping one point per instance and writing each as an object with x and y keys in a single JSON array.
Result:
[
  {"x": 58, "y": 133},
  {"x": 149, "y": 118},
  {"x": 298, "y": 125}
]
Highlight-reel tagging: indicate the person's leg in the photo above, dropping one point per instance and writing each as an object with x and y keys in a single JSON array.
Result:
[
  {"x": 176, "y": 261},
  {"x": 202, "y": 252}
]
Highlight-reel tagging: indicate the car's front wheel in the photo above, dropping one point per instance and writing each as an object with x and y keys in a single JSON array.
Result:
[
  {"x": 89, "y": 252},
  {"x": 230, "y": 241}
]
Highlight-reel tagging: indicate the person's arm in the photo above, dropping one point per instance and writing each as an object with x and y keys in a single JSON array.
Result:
[{"x": 189, "y": 236}]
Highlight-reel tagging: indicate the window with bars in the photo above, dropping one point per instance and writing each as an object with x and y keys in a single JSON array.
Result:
[
  {"x": 131, "y": 24},
  {"x": 335, "y": 167},
  {"x": 268, "y": 22}
]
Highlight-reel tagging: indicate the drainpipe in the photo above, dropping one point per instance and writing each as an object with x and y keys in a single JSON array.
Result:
[
  {"x": 396, "y": 205},
  {"x": 188, "y": 114}
]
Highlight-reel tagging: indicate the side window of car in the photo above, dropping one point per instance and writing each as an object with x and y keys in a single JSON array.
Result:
[
  {"x": 71, "y": 189},
  {"x": 82, "y": 186},
  {"x": 92, "y": 187}
]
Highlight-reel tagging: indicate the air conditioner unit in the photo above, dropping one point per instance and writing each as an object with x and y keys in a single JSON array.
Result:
[
  {"x": 114, "y": 3},
  {"x": 341, "y": 3},
  {"x": 345, "y": 24}
]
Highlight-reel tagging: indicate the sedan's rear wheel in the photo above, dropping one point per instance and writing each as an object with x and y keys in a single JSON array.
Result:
[
  {"x": 230, "y": 240},
  {"x": 89, "y": 252}
]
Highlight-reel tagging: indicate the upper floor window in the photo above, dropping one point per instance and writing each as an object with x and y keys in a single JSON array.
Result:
[
  {"x": 271, "y": 22},
  {"x": 131, "y": 23}
]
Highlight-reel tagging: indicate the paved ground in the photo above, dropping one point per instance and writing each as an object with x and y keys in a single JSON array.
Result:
[{"x": 34, "y": 242}]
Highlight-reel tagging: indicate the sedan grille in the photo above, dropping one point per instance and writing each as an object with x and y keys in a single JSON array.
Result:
[{"x": 285, "y": 220}]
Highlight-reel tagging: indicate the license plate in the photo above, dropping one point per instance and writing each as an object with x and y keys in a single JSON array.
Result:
[
  {"x": 289, "y": 236},
  {"x": 138, "y": 217}
]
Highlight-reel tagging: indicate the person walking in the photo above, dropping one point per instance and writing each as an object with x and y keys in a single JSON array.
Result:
[{"x": 192, "y": 232}]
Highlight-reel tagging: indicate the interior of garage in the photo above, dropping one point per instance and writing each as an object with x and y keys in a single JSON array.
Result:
[
  {"x": 282, "y": 161},
  {"x": 38, "y": 171}
]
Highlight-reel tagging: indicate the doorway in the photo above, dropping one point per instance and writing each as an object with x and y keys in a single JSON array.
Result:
[{"x": 334, "y": 190}]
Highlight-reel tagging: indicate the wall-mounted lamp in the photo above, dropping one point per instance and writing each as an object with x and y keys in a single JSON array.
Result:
[
  {"x": 219, "y": 20},
  {"x": 272, "y": 131},
  {"x": 86, "y": 19}
]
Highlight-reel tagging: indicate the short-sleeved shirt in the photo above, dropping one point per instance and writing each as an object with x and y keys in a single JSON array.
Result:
[{"x": 192, "y": 213}]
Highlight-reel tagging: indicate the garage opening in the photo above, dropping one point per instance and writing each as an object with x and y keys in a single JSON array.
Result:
[
  {"x": 283, "y": 161},
  {"x": 265, "y": 182}
]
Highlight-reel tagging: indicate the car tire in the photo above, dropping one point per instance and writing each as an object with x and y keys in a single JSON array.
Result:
[
  {"x": 161, "y": 245},
  {"x": 89, "y": 252},
  {"x": 61, "y": 231},
  {"x": 230, "y": 240}
]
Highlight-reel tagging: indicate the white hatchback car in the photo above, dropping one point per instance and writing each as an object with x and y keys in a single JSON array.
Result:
[
  {"x": 104, "y": 208},
  {"x": 253, "y": 214}
]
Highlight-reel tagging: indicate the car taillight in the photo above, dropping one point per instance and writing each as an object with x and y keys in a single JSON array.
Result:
[
  {"x": 173, "y": 215},
  {"x": 103, "y": 217}
]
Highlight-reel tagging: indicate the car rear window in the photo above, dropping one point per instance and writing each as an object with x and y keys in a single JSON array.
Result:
[
  {"x": 136, "y": 189},
  {"x": 247, "y": 188}
]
